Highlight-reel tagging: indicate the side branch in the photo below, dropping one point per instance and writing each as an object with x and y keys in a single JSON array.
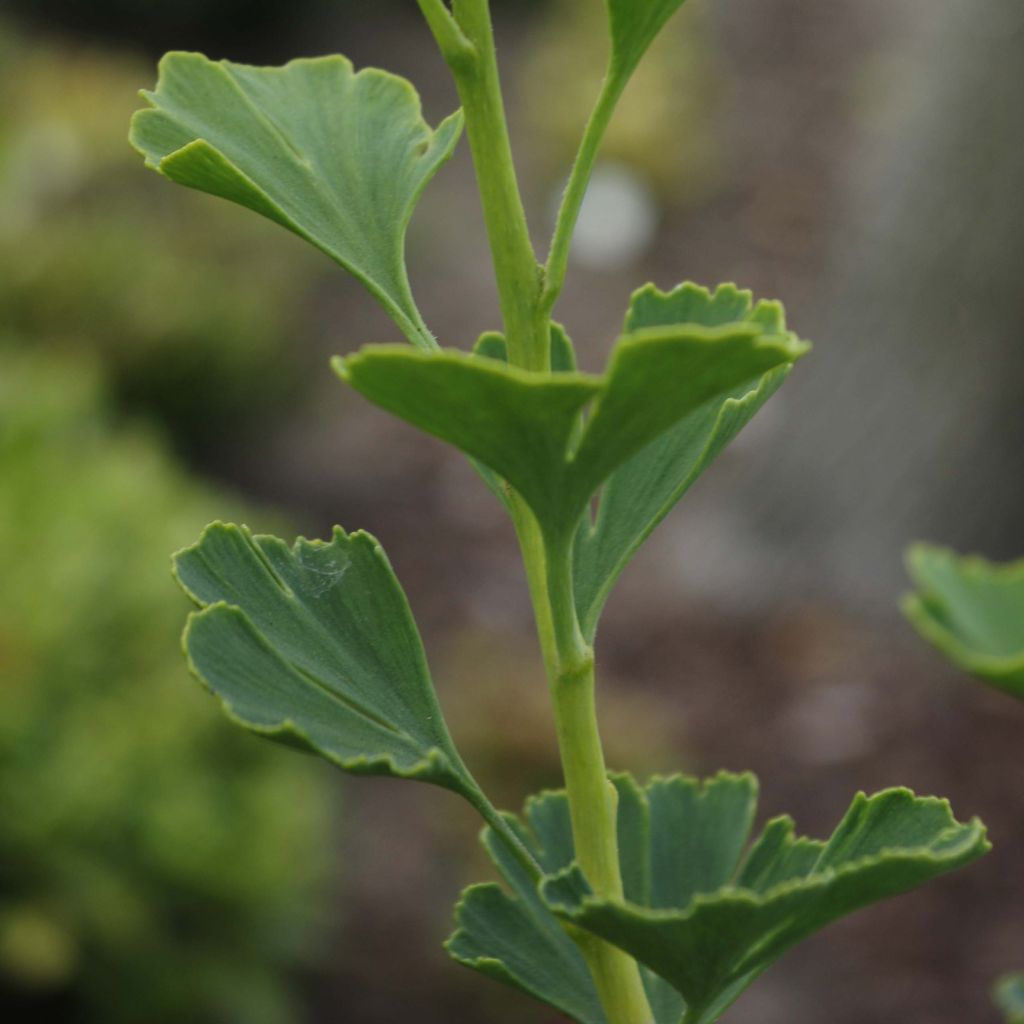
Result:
[
  {"x": 455, "y": 47},
  {"x": 576, "y": 190}
]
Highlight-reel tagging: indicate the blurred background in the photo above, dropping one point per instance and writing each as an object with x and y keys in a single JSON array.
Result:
[{"x": 163, "y": 363}]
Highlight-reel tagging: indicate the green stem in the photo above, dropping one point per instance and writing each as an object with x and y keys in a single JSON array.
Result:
[
  {"x": 526, "y": 303},
  {"x": 592, "y": 798},
  {"x": 576, "y": 190},
  {"x": 519, "y": 276},
  {"x": 415, "y": 328},
  {"x": 455, "y": 47},
  {"x": 501, "y": 827}
]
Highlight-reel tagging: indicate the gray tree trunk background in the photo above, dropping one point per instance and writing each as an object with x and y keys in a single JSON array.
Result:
[{"x": 907, "y": 421}]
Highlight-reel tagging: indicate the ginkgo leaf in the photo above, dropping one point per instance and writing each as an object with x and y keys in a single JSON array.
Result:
[
  {"x": 634, "y": 26},
  {"x": 525, "y": 426},
  {"x": 315, "y": 645},
  {"x": 641, "y": 492},
  {"x": 715, "y": 917},
  {"x": 337, "y": 157},
  {"x": 492, "y": 345},
  {"x": 704, "y": 911},
  {"x": 972, "y": 610},
  {"x": 511, "y": 936},
  {"x": 515, "y": 422},
  {"x": 1010, "y": 998}
]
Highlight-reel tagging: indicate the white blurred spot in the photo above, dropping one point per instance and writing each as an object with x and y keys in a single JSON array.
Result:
[{"x": 618, "y": 221}]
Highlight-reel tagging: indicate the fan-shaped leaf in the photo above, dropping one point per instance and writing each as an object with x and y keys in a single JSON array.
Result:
[
  {"x": 1010, "y": 998},
  {"x": 492, "y": 345},
  {"x": 634, "y": 26},
  {"x": 525, "y": 426},
  {"x": 973, "y": 611},
  {"x": 314, "y": 645},
  {"x": 337, "y": 157},
  {"x": 513, "y": 937},
  {"x": 515, "y": 422},
  {"x": 641, "y": 492},
  {"x": 716, "y": 919}
]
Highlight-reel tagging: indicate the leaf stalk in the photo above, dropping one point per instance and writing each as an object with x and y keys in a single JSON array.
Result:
[
  {"x": 493, "y": 817},
  {"x": 454, "y": 46},
  {"x": 576, "y": 189}
]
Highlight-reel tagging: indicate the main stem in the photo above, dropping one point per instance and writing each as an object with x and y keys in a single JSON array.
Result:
[
  {"x": 519, "y": 276},
  {"x": 592, "y": 799},
  {"x": 466, "y": 37}
]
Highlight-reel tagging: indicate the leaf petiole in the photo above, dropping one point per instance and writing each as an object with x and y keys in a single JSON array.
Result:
[
  {"x": 496, "y": 820},
  {"x": 576, "y": 190},
  {"x": 451, "y": 40}
]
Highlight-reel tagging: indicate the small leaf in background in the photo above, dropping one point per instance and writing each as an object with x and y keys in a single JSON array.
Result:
[
  {"x": 715, "y": 918},
  {"x": 337, "y": 157},
  {"x": 1010, "y": 998},
  {"x": 634, "y": 26},
  {"x": 525, "y": 426},
  {"x": 314, "y": 645},
  {"x": 642, "y": 491},
  {"x": 972, "y": 610}
]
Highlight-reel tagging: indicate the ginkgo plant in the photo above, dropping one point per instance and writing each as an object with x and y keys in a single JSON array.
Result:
[
  {"x": 972, "y": 611},
  {"x": 623, "y": 903}
]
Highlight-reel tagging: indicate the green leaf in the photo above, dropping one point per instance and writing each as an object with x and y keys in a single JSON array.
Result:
[
  {"x": 972, "y": 610},
  {"x": 525, "y": 426},
  {"x": 315, "y": 646},
  {"x": 641, "y": 492},
  {"x": 338, "y": 158},
  {"x": 500, "y": 936},
  {"x": 715, "y": 918},
  {"x": 513, "y": 937},
  {"x": 492, "y": 345},
  {"x": 1009, "y": 997},
  {"x": 634, "y": 26},
  {"x": 515, "y": 422}
]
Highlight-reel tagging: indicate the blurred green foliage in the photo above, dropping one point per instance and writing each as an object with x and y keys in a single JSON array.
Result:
[
  {"x": 189, "y": 304},
  {"x": 155, "y": 864}
]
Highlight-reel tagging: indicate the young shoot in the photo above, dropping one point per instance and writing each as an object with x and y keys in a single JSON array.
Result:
[{"x": 623, "y": 903}]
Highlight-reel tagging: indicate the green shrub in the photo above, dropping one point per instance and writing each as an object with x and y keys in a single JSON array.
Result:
[{"x": 154, "y": 866}]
